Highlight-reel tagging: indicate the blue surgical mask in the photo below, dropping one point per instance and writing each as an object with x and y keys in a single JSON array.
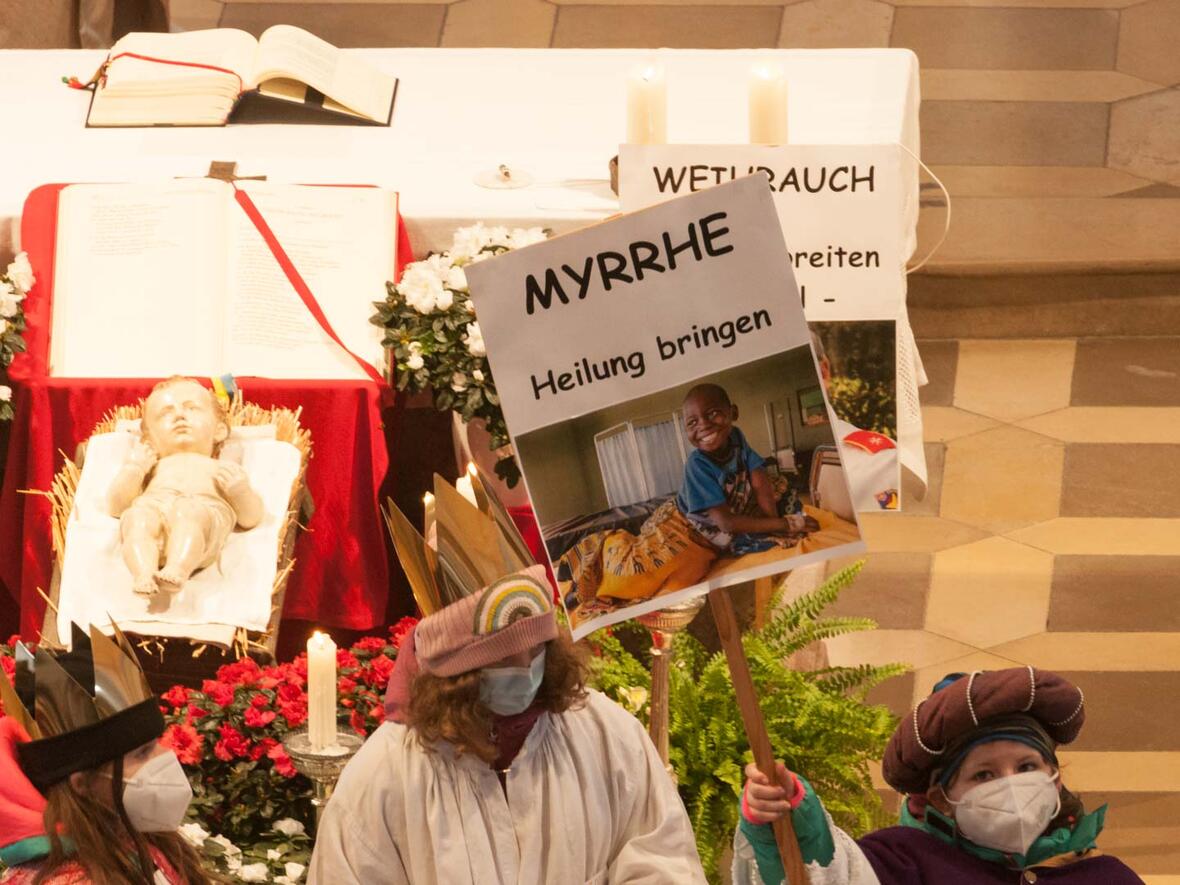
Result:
[{"x": 507, "y": 691}]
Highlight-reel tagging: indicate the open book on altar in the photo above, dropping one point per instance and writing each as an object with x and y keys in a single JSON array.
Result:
[
  {"x": 209, "y": 78},
  {"x": 174, "y": 278}
]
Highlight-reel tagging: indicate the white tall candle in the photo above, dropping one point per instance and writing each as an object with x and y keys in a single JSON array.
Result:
[
  {"x": 321, "y": 691},
  {"x": 768, "y": 105},
  {"x": 647, "y": 106}
]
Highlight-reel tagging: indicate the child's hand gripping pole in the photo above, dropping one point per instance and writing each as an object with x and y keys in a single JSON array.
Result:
[{"x": 739, "y": 670}]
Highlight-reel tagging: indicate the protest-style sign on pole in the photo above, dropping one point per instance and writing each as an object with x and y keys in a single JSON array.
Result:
[
  {"x": 633, "y": 360},
  {"x": 721, "y": 605}
]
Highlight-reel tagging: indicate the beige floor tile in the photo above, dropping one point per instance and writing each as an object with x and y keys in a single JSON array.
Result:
[
  {"x": 1058, "y": 234},
  {"x": 1002, "y": 479},
  {"x": 1129, "y": 772},
  {"x": 989, "y": 592},
  {"x": 1068, "y": 85},
  {"x": 620, "y": 4},
  {"x": 1010, "y": 380},
  {"x": 899, "y": 533},
  {"x": 499, "y": 23},
  {"x": 827, "y": 24},
  {"x": 944, "y": 423},
  {"x": 193, "y": 15},
  {"x": 333, "y": 2},
  {"x": 928, "y": 676},
  {"x": 345, "y": 24},
  {"x": 1027, "y": 133},
  {"x": 918, "y": 648},
  {"x": 1036, "y": 181},
  {"x": 1108, "y": 424},
  {"x": 1147, "y": 41},
  {"x": 1145, "y": 136},
  {"x": 1108, "y": 535},
  {"x": 1096, "y": 651},
  {"x": 1008, "y": 39},
  {"x": 698, "y": 28}
]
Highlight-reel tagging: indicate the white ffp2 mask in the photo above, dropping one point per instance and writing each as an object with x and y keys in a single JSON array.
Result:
[
  {"x": 1008, "y": 813},
  {"x": 157, "y": 795},
  {"x": 507, "y": 691}
]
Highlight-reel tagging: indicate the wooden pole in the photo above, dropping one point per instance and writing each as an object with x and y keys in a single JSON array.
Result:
[{"x": 743, "y": 687}]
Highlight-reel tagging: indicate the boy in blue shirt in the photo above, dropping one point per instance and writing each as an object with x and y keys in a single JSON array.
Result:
[{"x": 727, "y": 493}]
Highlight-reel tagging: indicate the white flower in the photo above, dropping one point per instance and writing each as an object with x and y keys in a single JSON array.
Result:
[
  {"x": 474, "y": 340},
  {"x": 194, "y": 834},
  {"x": 233, "y": 854},
  {"x": 458, "y": 382},
  {"x": 468, "y": 241},
  {"x": 521, "y": 237},
  {"x": 273, "y": 854},
  {"x": 477, "y": 375},
  {"x": 255, "y": 872},
  {"x": 21, "y": 272},
  {"x": 422, "y": 287},
  {"x": 457, "y": 279},
  {"x": 5, "y": 393},
  {"x": 8, "y": 305},
  {"x": 294, "y": 870},
  {"x": 288, "y": 826},
  {"x": 499, "y": 237},
  {"x": 415, "y": 362}
]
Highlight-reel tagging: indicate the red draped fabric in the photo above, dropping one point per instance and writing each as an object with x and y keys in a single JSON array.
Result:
[{"x": 341, "y": 577}]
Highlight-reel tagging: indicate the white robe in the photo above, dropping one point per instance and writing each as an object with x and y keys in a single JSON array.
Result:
[{"x": 588, "y": 801}]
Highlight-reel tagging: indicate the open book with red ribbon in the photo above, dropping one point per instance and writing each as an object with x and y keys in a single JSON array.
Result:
[
  {"x": 223, "y": 75},
  {"x": 203, "y": 277}
]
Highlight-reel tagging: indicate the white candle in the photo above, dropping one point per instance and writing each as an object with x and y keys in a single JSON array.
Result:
[
  {"x": 647, "y": 106},
  {"x": 321, "y": 691},
  {"x": 465, "y": 487},
  {"x": 768, "y": 105}
]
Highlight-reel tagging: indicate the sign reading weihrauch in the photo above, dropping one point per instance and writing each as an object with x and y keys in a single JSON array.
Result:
[
  {"x": 839, "y": 205},
  {"x": 638, "y": 363}
]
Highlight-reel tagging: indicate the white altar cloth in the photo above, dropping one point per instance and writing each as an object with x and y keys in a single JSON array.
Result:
[{"x": 558, "y": 115}]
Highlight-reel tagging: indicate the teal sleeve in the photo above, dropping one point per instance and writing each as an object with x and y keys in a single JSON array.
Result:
[{"x": 811, "y": 831}]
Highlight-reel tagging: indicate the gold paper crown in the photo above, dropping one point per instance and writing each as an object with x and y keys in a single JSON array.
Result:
[
  {"x": 81, "y": 707},
  {"x": 474, "y": 544}
]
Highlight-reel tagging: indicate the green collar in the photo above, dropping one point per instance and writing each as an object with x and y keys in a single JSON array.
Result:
[
  {"x": 1063, "y": 840},
  {"x": 24, "y": 851}
]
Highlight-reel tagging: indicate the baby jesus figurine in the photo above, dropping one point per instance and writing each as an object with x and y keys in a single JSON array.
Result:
[{"x": 172, "y": 495}]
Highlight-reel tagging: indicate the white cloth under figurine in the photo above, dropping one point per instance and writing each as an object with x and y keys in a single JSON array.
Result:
[
  {"x": 585, "y": 801},
  {"x": 235, "y": 591}
]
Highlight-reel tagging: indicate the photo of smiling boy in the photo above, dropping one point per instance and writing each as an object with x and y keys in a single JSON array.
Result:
[{"x": 727, "y": 492}]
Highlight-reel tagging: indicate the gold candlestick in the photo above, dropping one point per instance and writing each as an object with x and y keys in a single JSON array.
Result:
[{"x": 663, "y": 626}]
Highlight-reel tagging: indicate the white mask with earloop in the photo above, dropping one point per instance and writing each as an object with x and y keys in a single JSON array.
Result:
[
  {"x": 507, "y": 691},
  {"x": 157, "y": 795},
  {"x": 1008, "y": 813}
]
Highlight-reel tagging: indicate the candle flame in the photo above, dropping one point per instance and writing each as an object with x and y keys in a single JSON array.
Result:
[
  {"x": 318, "y": 639},
  {"x": 649, "y": 73},
  {"x": 471, "y": 470},
  {"x": 428, "y": 499}
]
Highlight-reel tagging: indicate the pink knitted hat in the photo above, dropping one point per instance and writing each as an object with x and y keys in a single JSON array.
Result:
[{"x": 509, "y": 616}]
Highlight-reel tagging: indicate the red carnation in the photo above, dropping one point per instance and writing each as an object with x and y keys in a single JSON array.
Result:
[
  {"x": 289, "y": 692},
  {"x": 378, "y": 673},
  {"x": 218, "y": 692},
  {"x": 295, "y": 712},
  {"x": 256, "y": 718},
  {"x": 177, "y": 696},
  {"x": 195, "y": 713},
  {"x": 233, "y": 744},
  {"x": 370, "y": 645},
  {"x": 9, "y": 666},
  {"x": 240, "y": 672},
  {"x": 259, "y": 700},
  {"x": 261, "y": 748},
  {"x": 346, "y": 660},
  {"x": 403, "y": 628},
  {"x": 281, "y": 760},
  {"x": 344, "y": 685},
  {"x": 185, "y": 742},
  {"x": 357, "y": 721}
]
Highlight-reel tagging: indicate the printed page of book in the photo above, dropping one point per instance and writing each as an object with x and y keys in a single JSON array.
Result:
[
  {"x": 285, "y": 51},
  {"x": 138, "y": 279},
  {"x": 343, "y": 242}
]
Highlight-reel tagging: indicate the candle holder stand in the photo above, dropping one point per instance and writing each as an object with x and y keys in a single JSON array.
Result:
[
  {"x": 663, "y": 626},
  {"x": 322, "y": 767}
]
